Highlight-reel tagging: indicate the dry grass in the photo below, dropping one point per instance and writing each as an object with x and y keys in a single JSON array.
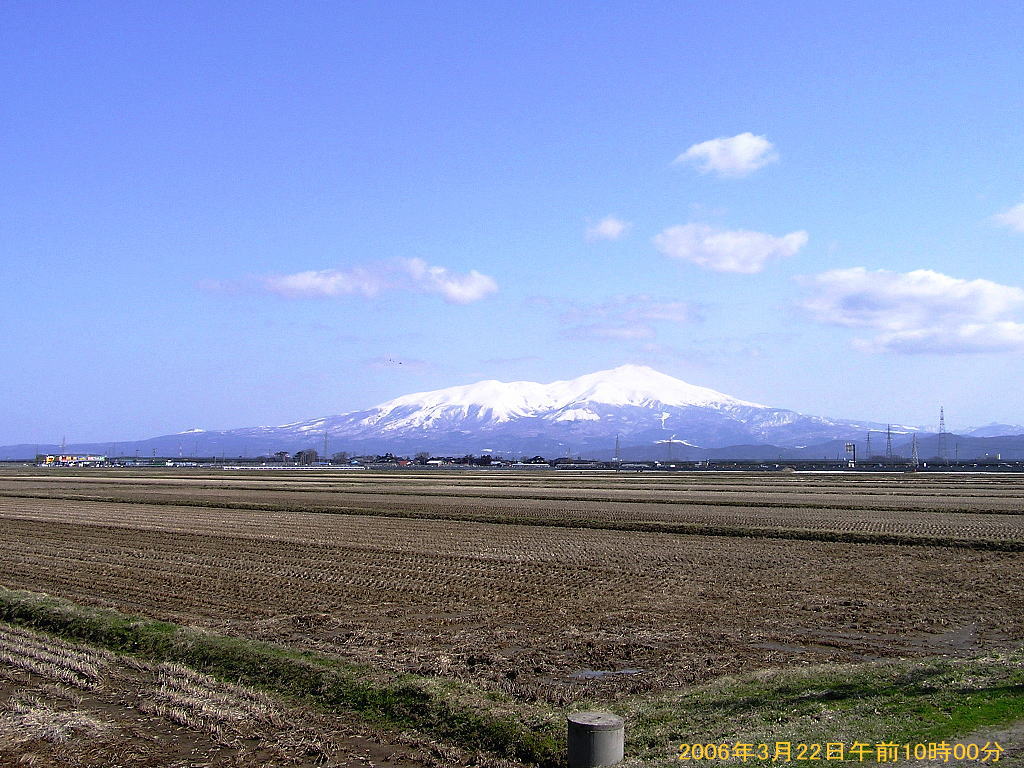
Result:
[
  {"x": 201, "y": 703},
  {"x": 141, "y": 714},
  {"x": 29, "y": 720},
  {"x": 52, "y": 659}
]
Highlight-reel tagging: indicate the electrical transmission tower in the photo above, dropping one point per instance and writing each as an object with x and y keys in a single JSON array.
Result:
[
  {"x": 915, "y": 459},
  {"x": 943, "y": 436},
  {"x": 867, "y": 452},
  {"x": 616, "y": 457},
  {"x": 888, "y": 443}
]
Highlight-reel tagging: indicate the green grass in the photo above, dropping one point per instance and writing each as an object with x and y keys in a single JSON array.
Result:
[{"x": 905, "y": 701}]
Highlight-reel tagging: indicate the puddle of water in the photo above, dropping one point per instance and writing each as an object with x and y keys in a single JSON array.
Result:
[{"x": 597, "y": 674}]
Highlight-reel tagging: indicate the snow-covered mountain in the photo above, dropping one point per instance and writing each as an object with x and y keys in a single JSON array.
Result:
[
  {"x": 653, "y": 415},
  {"x": 995, "y": 430},
  {"x": 649, "y": 411}
]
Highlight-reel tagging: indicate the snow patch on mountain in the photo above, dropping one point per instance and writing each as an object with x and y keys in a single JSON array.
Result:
[
  {"x": 627, "y": 385},
  {"x": 575, "y": 414}
]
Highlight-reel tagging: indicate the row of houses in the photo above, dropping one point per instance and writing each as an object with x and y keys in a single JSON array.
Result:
[{"x": 71, "y": 460}]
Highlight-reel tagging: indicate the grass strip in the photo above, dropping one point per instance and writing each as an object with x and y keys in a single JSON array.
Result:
[
  {"x": 654, "y": 526},
  {"x": 650, "y": 499},
  {"x": 449, "y": 710},
  {"x": 905, "y": 701}
]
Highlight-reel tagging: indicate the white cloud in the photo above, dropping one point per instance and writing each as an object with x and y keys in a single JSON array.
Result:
[
  {"x": 608, "y": 228},
  {"x": 326, "y": 283},
  {"x": 740, "y": 251},
  {"x": 1012, "y": 218},
  {"x": 919, "y": 311},
  {"x": 406, "y": 274},
  {"x": 734, "y": 156},
  {"x": 457, "y": 289}
]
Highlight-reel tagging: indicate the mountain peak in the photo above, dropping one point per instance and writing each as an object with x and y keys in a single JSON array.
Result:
[
  {"x": 642, "y": 385},
  {"x": 626, "y": 385}
]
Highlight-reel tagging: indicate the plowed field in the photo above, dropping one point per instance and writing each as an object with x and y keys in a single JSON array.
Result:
[{"x": 551, "y": 586}]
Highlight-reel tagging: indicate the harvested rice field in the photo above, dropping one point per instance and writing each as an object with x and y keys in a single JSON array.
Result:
[{"x": 549, "y": 587}]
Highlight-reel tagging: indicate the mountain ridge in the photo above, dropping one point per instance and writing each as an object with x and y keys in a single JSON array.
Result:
[{"x": 648, "y": 411}]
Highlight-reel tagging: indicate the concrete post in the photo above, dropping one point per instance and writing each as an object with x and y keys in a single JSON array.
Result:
[{"x": 595, "y": 739}]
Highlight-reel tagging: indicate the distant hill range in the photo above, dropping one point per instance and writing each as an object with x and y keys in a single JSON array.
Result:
[{"x": 654, "y": 416}]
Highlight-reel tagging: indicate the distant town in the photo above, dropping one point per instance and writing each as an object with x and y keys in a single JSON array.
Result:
[{"x": 311, "y": 460}]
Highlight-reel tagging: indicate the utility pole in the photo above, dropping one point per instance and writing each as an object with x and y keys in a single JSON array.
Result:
[{"x": 943, "y": 437}]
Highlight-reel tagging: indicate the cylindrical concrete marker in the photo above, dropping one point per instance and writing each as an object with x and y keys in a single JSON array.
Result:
[{"x": 595, "y": 739}]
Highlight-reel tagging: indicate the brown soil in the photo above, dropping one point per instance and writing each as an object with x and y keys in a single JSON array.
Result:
[{"x": 548, "y": 612}]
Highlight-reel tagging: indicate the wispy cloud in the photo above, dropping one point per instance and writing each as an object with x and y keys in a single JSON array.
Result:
[
  {"x": 741, "y": 251},
  {"x": 624, "y": 317},
  {"x": 608, "y": 228},
  {"x": 733, "y": 156},
  {"x": 1002, "y": 336},
  {"x": 1012, "y": 218},
  {"x": 918, "y": 312},
  {"x": 612, "y": 331},
  {"x": 327, "y": 283},
  {"x": 631, "y": 308},
  {"x": 512, "y": 360},
  {"x": 414, "y": 275}
]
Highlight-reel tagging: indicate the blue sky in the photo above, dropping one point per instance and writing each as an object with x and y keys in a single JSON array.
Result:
[{"x": 222, "y": 215}]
